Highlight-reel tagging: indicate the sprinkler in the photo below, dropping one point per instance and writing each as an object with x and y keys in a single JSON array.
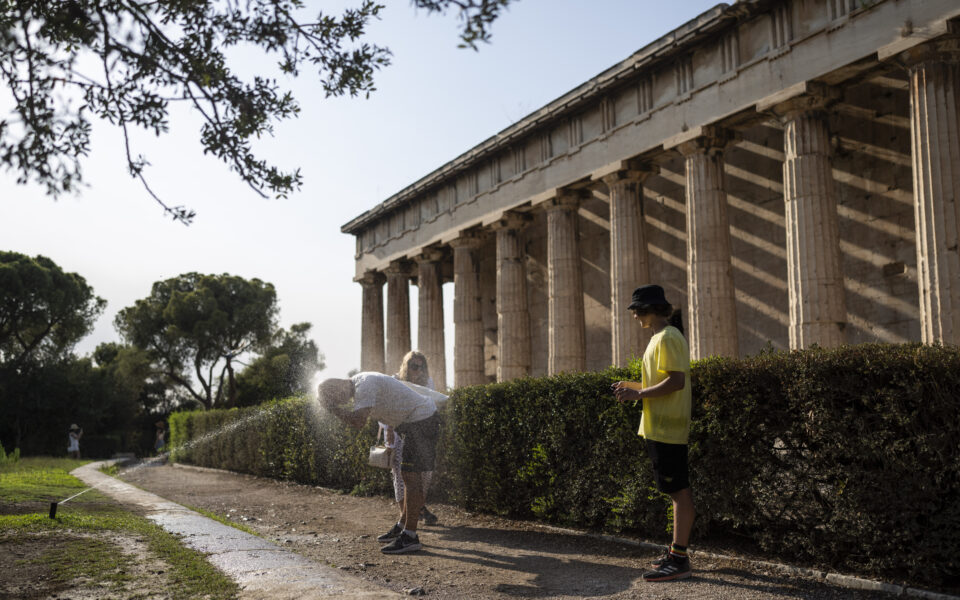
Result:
[{"x": 53, "y": 505}]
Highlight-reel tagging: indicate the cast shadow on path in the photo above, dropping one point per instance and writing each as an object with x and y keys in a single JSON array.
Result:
[
  {"x": 543, "y": 557},
  {"x": 548, "y": 576}
]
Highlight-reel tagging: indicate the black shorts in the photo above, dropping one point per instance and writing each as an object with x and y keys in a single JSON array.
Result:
[
  {"x": 669, "y": 466},
  {"x": 420, "y": 444}
]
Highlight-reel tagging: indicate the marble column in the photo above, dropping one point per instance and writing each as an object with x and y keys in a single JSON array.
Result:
[
  {"x": 629, "y": 264},
  {"x": 398, "y": 315},
  {"x": 468, "y": 358},
  {"x": 371, "y": 325},
  {"x": 934, "y": 71},
  {"x": 818, "y": 308},
  {"x": 513, "y": 317},
  {"x": 566, "y": 345},
  {"x": 712, "y": 307},
  {"x": 430, "y": 316}
]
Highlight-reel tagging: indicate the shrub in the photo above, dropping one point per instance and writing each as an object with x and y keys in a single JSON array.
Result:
[
  {"x": 845, "y": 459},
  {"x": 285, "y": 439},
  {"x": 9, "y": 459}
]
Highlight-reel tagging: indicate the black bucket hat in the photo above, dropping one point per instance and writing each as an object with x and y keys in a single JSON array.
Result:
[{"x": 647, "y": 295}]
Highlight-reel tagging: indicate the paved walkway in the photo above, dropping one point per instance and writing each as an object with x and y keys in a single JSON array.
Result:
[{"x": 261, "y": 568}]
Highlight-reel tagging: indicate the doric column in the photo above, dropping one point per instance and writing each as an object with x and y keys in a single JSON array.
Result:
[
  {"x": 818, "y": 308},
  {"x": 566, "y": 345},
  {"x": 934, "y": 71},
  {"x": 430, "y": 316},
  {"x": 712, "y": 305},
  {"x": 371, "y": 324},
  {"x": 398, "y": 315},
  {"x": 513, "y": 317},
  {"x": 629, "y": 265},
  {"x": 468, "y": 359}
]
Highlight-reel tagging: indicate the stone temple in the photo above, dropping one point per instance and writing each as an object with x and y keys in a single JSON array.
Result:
[{"x": 788, "y": 170}]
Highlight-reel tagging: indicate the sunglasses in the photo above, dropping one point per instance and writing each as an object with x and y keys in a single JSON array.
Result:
[{"x": 415, "y": 366}]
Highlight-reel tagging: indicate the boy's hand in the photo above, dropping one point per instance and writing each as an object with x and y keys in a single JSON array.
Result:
[{"x": 624, "y": 392}]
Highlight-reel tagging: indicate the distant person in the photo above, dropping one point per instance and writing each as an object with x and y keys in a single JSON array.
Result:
[
  {"x": 665, "y": 424},
  {"x": 413, "y": 369},
  {"x": 73, "y": 441},
  {"x": 413, "y": 415},
  {"x": 161, "y": 440}
]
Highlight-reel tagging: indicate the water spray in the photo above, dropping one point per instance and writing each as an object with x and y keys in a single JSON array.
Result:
[
  {"x": 53, "y": 505},
  {"x": 200, "y": 440}
]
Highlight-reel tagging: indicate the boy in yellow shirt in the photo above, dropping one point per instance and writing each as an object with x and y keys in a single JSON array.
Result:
[{"x": 665, "y": 424}]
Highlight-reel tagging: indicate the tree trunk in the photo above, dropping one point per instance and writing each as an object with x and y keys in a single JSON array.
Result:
[{"x": 231, "y": 385}]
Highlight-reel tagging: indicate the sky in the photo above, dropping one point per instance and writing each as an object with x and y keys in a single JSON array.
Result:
[{"x": 435, "y": 102}]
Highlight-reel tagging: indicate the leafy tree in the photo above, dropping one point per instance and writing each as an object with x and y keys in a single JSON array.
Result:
[
  {"x": 44, "y": 311},
  {"x": 285, "y": 368},
  {"x": 133, "y": 375},
  {"x": 194, "y": 326},
  {"x": 64, "y": 61},
  {"x": 39, "y": 403}
]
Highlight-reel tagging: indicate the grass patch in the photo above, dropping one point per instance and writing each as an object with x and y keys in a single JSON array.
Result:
[
  {"x": 190, "y": 575},
  {"x": 111, "y": 469},
  {"x": 39, "y": 479}
]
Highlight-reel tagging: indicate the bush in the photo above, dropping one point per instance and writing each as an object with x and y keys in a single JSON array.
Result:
[
  {"x": 9, "y": 459},
  {"x": 844, "y": 459},
  {"x": 285, "y": 439}
]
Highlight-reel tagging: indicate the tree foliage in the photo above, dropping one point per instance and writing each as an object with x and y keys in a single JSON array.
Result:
[
  {"x": 39, "y": 403},
  {"x": 194, "y": 326},
  {"x": 285, "y": 368},
  {"x": 67, "y": 61},
  {"x": 44, "y": 311}
]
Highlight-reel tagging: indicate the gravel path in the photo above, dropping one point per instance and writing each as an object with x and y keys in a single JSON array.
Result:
[{"x": 465, "y": 556}]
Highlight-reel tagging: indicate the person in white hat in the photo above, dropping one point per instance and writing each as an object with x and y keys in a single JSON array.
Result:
[{"x": 73, "y": 441}]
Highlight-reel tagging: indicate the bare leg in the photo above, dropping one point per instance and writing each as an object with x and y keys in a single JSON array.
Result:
[
  {"x": 683, "y": 516},
  {"x": 399, "y": 493},
  {"x": 412, "y": 499}
]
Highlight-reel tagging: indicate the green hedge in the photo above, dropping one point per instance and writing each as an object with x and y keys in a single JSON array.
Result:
[
  {"x": 286, "y": 439},
  {"x": 845, "y": 459}
]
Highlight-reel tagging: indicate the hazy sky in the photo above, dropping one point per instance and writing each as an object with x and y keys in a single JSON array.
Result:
[{"x": 432, "y": 104}]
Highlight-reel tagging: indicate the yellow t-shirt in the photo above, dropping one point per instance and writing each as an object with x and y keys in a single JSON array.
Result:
[{"x": 666, "y": 418}]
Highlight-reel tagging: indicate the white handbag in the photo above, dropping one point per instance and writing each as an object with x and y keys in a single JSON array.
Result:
[{"x": 380, "y": 455}]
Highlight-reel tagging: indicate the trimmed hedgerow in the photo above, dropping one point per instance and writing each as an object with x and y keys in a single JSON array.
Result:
[
  {"x": 285, "y": 439},
  {"x": 846, "y": 459}
]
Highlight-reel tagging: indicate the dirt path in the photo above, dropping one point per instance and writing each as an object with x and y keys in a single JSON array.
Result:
[{"x": 465, "y": 555}]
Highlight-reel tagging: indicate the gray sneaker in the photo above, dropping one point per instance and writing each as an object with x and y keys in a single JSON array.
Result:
[
  {"x": 391, "y": 535},
  {"x": 404, "y": 543}
]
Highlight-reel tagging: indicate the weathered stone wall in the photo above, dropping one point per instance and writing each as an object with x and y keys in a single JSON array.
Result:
[
  {"x": 595, "y": 266},
  {"x": 754, "y": 179},
  {"x": 536, "y": 240},
  {"x": 875, "y": 193}
]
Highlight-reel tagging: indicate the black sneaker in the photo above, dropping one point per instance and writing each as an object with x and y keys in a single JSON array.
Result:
[
  {"x": 391, "y": 535},
  {"x": 671, "y": 569},
  {"x": 404, "y": 543},
  {"x": 428, "y": 517},
  {"x": 659, "y": 562}
]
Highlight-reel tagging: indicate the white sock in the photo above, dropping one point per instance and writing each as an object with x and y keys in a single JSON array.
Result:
[{"x": 412, "y": 534}]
